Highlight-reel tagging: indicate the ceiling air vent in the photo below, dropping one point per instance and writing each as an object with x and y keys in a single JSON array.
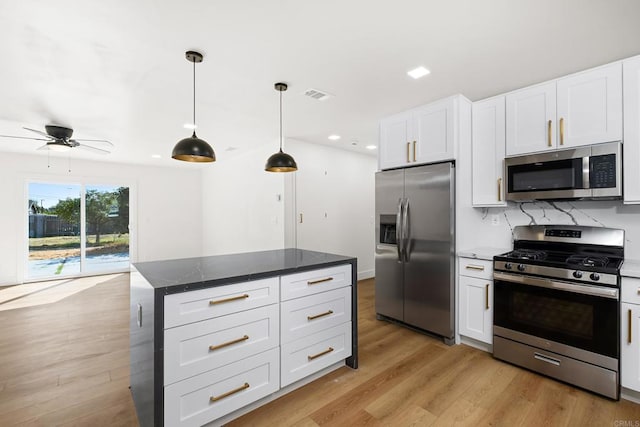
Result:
[{"x": 317, "y": 94}]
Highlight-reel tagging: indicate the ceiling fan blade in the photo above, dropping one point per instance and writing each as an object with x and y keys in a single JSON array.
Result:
[
  {"x": 38, "y": 132},
  {"x": 24, "y": 137},
  {"x": 94, "y": 149},
  {"x": 100, "y": 141}
]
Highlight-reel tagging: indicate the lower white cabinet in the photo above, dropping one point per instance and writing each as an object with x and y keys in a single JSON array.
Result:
[
  {"x": 630, "y": 334},
  {"x": 475, "y": 300},
  {"x": 201, "y": 399}
]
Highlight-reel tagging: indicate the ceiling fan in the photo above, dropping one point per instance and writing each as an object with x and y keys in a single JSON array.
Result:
[{"x": 58, "y": 138}]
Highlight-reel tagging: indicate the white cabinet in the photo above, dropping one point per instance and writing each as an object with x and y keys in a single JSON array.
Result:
[
  {"x": 487, "y": 152},
  {"x": 631, "y": 158},
  {"x": 475, "y": 302},
  {"x": 316, "y": 321},
  {"x": 630, "y": 334},
  {"x": 426, "y": 134},
  {"x": 580, "y": 109}
]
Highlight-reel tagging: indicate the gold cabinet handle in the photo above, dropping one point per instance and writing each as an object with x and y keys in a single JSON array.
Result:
[
  {"x": 414, "y": 151},
  {"x": 561, "y": 130},
  {"x": 322, "y": 353},
  {"x": 220, "y": 301},
  {"x": 549, "y": 134},
  {"x": 499, "y": 189},
  {"x": 474, "y": 267},
  {"x": 629, "y": 327},
  {"x": 230, "y": 392},
  {"x": 300, "y": 218},
  {"x": 638, "y": 291},
  {"x": 486, "y": 298},
  {"x": 315, "y": 316},
  {"x": 408, "y": 156},
  {"x": 228, "y": 343},
  {"x": 315, "y": 282}
]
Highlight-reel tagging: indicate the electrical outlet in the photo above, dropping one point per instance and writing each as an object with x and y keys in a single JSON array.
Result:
[{"x": 495, "y": 219}]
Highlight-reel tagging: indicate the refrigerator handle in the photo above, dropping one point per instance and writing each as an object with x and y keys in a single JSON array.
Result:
[
  {"x": 399, "y": 230},
  {"x": 405, "y": 230}
]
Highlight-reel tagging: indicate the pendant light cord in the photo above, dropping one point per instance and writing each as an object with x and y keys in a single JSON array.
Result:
[
  {"x": 281, "y": 121},
  {"x": 194, "y": 97}
]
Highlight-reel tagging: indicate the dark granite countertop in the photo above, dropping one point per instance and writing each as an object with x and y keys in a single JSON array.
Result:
[{"x": 179, "y": 275}]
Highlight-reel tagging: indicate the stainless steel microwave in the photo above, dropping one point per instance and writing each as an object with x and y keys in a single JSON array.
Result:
[{"x": 590, "y": 172}]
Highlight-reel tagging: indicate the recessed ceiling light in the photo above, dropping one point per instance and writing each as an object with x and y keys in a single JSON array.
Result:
[
  {"x": 371, "y": 147},
  {"x": 156, "y": 156},
  {"x": 418, "y": 72},
  {"x": 334, "y": 137},
  {"x": 190, "y": 126}
]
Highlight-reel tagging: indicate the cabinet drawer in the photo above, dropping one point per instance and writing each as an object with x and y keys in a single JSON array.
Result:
[
  {"x": 479, "y": 268},
  {"x": 202, "y": 346},
  {"x": 206, "y": 397},
  {"x": 631, "y": 290},
  {"x": 312, "y": 353},
  {"x": 308, "y": 315},
  {"x": 189, "y": 307},
  {"x": 312, "y": 282}
]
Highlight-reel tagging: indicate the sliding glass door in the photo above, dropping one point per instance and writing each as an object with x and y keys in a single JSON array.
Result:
[{"x": 75, "y": 229}]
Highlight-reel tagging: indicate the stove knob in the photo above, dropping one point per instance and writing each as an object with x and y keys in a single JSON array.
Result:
[
  {"x": 521, "y": 267},
  {"x": 508, "y": 266},
  {"x": 595, "y": 276},
  {"x": 577, "y": 274}
]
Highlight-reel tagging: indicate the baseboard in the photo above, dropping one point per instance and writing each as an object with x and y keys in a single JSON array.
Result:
[
  {"x": 628, "y": 394},
  {"x": 366, "y": 274},
  {"x": 476, "y": 344}
]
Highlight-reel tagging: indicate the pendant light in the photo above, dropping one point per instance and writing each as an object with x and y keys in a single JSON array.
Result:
[
  {"x": 281, "y": 162},
  {"x": 193, "y": 149}
]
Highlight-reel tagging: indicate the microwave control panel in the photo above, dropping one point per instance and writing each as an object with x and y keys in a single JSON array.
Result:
[{"x": 602, "y": 171}]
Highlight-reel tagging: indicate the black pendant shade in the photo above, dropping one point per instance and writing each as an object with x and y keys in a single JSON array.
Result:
[
  {"x": 281, "y": 161},
  {"x": 193, "y": 149}
]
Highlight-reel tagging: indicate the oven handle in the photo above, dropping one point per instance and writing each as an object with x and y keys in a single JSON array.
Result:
[{"x": 553, "y": 284}]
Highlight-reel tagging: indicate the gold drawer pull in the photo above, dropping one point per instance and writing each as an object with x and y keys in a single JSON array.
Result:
[
  {"x": 474, "y": 267},
  {"x": 326, "y": 313},
  {"x": 638, "y": 291},
  {"x": 220, "y": 301},
  {"x": 230, "y": 392},
  {"x": 499, "y": 189},
  {"x": 414, "y": 151},
  {"x": 549, "y": 134},
  {"x": 315, "y": 282},
  {"x": 561, "y": 130},
  {"x": 322, "y": 353},
  {"x": 228, "y": 343},
  {"x": 486, "y": 291},
  {"x": 408, "y": 156}
]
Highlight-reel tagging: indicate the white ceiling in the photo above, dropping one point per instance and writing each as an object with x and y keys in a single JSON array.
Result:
[{"x": 116, "y": 69}]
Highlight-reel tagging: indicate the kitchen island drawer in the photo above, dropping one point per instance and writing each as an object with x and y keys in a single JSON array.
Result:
[
  {"x": 315, "y": 281},
  {"x": 312, "y": 353},
  {"x": 305, "y": 316},
  {"x": 204, "y": 398},
  {"x": 480, "y": 268},
  {"x": 202, "y": 346},
  {"x": 189, "y": 307}
]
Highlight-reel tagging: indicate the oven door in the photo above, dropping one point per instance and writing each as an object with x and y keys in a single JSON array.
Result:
[{"x": 579, "y": 316}]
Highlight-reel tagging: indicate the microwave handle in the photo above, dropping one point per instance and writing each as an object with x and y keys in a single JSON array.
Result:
[{"x": 585, "y": 173}]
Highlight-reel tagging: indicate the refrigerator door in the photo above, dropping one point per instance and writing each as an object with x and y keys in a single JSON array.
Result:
[
  {"x": 430, "y": 250},
  {"x": 389, "y": 266}
]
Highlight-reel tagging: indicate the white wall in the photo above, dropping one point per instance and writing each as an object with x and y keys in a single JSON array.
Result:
[
  {"x": 335, "y": 193},
  {"x": 168, "y": 216},
  {"x": 241, "y": 210}
]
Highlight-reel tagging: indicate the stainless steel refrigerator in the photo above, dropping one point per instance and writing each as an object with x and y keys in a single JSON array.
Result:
[{"x": 415, "y": 247}]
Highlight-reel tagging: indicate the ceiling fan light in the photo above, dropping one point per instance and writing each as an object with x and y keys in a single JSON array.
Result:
[
  {"x": 193, "y": 149},
  {"x": 58, "y": 147}
]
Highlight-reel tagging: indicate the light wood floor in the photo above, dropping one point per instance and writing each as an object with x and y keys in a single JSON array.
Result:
[{"x": 66, "y": 363}]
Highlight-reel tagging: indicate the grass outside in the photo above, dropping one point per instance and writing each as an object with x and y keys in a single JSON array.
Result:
[{"x": 65, "y": 246}]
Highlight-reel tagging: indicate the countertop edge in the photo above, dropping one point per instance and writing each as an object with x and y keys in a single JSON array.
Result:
[{"x": 484, "y": 253}]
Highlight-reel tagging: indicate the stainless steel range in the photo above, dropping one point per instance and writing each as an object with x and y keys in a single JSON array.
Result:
[{"x": 557, "y": 304}]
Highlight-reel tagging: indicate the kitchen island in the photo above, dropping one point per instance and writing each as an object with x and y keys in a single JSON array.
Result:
[{"x": 214, "y": 337}]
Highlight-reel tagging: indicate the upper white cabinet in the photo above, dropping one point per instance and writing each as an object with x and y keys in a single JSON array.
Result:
[
  {"x": 425, "y": 134},
  {"x": 631, "y": 158},
  {"x": 487, "y": 152},
  {"x": 531, "y": 114},
  {"x": 581, "y": 109}
]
